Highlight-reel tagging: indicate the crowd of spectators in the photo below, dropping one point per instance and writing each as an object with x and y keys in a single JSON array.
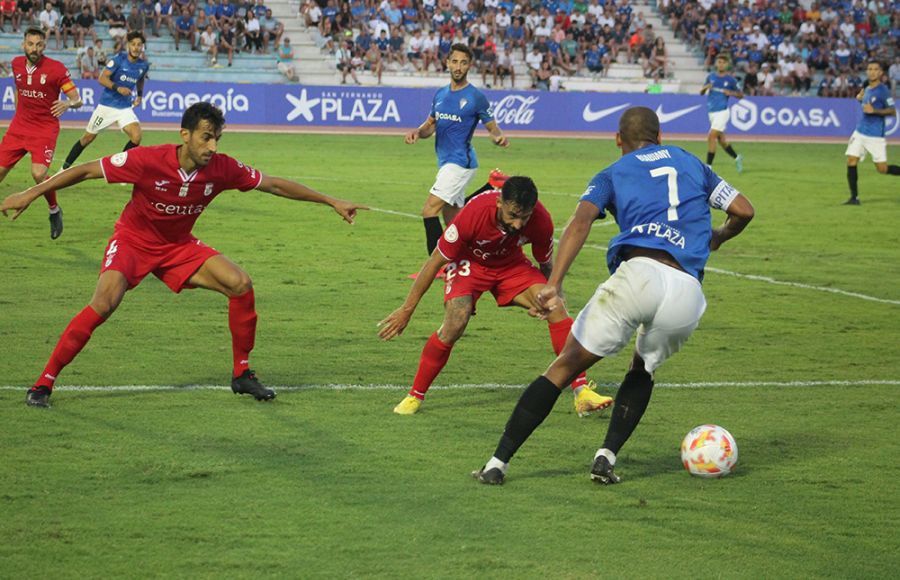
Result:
[
  {"x": 214, "y": 27},
  {"x": 553, "y": 38},
  {"x": 792, "y": 46}
]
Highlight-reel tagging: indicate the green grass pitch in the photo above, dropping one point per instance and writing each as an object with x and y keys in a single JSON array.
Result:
[{"x": 326, "y": 482}]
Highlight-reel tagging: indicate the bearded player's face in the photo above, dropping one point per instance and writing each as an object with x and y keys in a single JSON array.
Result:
[
  {"x": 202, "y": 142},
  {"x": 458, "y": 63},
  {"x": 135, "y": 48},
  {"x": 34, "y": 46}
]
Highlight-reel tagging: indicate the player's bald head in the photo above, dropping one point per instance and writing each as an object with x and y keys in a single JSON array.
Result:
[{"x": 638, "y": 126}]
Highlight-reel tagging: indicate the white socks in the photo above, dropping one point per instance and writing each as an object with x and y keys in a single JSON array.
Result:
[{"x": 609, "y": 455}]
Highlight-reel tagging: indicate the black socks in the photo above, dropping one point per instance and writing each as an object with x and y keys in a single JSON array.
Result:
[
  {"x": 533, "y": 407},
  {"x": 631, "y": 402},
  {"x": 433, "y": 231}
]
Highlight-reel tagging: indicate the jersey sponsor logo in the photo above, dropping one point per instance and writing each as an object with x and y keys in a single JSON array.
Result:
[
  {"x": 666, "y": 117},
  {"x": 119, "y": 159},
  {"x": 451, "y": 234},
  {"x": 514, "y": 110},
  {"x": 590, "y": 116},
  {"x": 660, "y": 230},
  {"x": 32, "y": 94},
  {"x": 174, "y": 209},
  {"x": 746, "y": 114},
  {"x": 447, "y": 117}
]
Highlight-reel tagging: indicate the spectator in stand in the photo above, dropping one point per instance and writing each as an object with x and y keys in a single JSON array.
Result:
[
  {"x": 9, "y": 11},
  {"x": 164, "y": 12},
  {"x": 135, "y": 21},
  {"x": 343, "y": 61},
  {"x": 542, "y": 77},
  {"x": 658, "y": 59},
  {"x": 430, "y": 47},
  {"x": 765, "y": 81},
  {"x": 87, "y": 63},
  {"x": 534, "y": 59},
  {"x": 284, "y": 56},
  {"x": 383, "y": 42},
  {"x": 207, "y": 16},
  {"x": 894, "y": 76},
  {"x": 209, "y": 45},
  {"x": 372, "y": 62},
  {"x": 26, "y": 10},
  {"x": 227, "y": 41},
  {"x": 801, "y": 76},
  {"x": 505, "y": 66},
  {"x": 185, "y": 28},
  {"x": 85, "y": 26},
  {"x": 49, "y": 19},
  {"x": 226, "y": 13},
  {"x": 751, "y": 81},
  {"x": 827, "y": 85},
  {"x": 397, "y": 50},
  {"x": 254, "y": 33},
  {"x": 414, "y": 50},
  {"x": 272, "y": 30},
  {"x": 148, "y": 11},
  {"x": 311, "y": 13},
  {"x": 67, "y": 27}
]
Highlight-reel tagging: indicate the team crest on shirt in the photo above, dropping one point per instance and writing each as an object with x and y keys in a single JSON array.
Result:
[
  {"x": 207, "y": 189},
  {"x": 463, "y": 103},
  {"x": 119, "y": 159},
  {"x": 452, "y": 234}
]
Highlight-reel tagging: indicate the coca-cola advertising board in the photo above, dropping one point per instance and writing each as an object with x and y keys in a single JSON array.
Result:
[{"x": 402, "y": 108}]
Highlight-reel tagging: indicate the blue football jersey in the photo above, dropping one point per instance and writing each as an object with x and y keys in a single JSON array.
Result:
[
  {"x": 456, "y": 114},
  {"x": 716, "y": 100},
  {"x": 660, "y": 196},
  {"x": 123, "y": 73},
  {"x": 880, "y": 98}
]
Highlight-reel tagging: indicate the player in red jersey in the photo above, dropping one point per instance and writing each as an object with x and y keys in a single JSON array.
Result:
[
  {"x": 482, "y": 251},
  {"x": 173, "y": 185},
  {"x": 35, "y": 126}
]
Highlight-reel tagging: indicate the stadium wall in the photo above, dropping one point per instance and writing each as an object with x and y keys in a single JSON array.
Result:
[{"x": 298, "y": 106}]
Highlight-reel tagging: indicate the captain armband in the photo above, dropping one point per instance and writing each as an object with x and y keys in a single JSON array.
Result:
[{"x": 723, "y": 195}]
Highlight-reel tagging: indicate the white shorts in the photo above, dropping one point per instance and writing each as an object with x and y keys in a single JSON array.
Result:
[
  {"x": 859, "y": 144},
  {"x": 104, "y": 117},
  {"x": 451, "y": 182},
  {"x": 718, "y": 121},
  {"x": 662, "y": 304}
]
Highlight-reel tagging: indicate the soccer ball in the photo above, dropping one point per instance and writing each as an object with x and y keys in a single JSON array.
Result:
[{"x": 709, "y": 451}]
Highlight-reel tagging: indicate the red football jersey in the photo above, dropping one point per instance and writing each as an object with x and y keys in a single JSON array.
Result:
[
  {"x": 474, "y": 235},
  {"x": 37, "y": 87},
  {"x": 166, "y": 201}
]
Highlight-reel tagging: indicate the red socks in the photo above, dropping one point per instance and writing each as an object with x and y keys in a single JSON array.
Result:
[
  {"x": 434, "y": 357},
  {"x": 50, "y": 196},
  {"x": 242, "y": 323},
  {"x": 559, "y": 332},
  {"x": 73, "y": 339}
]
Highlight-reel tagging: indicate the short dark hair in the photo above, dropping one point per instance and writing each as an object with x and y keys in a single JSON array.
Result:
[
  {"x": 135, "y": 34},
  {"x": 463, "y": 48},
  {"x": 35, "y": 31},
  {"x": 878, "y": 62},
  {"x": 202, "y": 112},
  {"x": 521, "y": 191},
  {"x": 638, "y": 125}
]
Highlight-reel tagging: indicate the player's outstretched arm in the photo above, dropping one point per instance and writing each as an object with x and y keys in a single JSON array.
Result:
[
  {"x": 497, "y": 135},
  {"x": 293, "y": 190},
  {"x": 396, "y": 322},
  {"x": 570, "y": 243},
  {"x": 423, "y": 131},
  {"x": 73, "y": 101},
  {"x": 705, "y": 88},
  {"x": 740, "y": 212},
  {"x": 19, "y": 202}
]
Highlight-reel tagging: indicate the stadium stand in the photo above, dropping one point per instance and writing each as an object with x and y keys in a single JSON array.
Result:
[{"x": 787, "y": 46}]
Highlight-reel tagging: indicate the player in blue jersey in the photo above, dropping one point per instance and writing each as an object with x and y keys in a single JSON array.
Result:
[
  {"x": 661, "y": 197},
  {"x": 720, "y": 85},
  {"x": 877, "y": 105},
  {"x": 455, "y": 112},
  {"x": 123, "y": 88}
]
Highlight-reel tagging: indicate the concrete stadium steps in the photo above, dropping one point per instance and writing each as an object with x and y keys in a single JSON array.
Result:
[{"x": 315, "y": 66}]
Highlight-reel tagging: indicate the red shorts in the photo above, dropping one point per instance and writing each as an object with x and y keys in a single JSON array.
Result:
[
  {"x": 15, "y": 146},
  {"x": 465, "y": 278},
  {"x": 174, "y": 264}
]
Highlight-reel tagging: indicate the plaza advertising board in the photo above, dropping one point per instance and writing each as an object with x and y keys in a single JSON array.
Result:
[{"x": 403, "y": 108}]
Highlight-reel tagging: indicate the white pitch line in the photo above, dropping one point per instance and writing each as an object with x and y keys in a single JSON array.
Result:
[
  {"x": 480, "y": 387},
  {"x": 754, "y": 277}
]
